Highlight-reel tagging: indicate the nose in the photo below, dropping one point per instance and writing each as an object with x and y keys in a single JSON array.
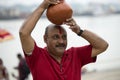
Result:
[{"x": 61, "y": 40}]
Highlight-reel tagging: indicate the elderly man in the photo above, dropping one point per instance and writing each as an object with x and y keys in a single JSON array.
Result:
[{"x": 54, "y": 62}]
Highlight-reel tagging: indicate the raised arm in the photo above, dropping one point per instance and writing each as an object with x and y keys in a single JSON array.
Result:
[
  {"x": 28, "y": 26},
  {"x": 99, "y": 45}
]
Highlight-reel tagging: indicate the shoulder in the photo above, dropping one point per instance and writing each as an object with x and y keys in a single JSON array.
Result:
[
  {"x": 79, "y": 51},
  {"x": 81, "y": 48}
]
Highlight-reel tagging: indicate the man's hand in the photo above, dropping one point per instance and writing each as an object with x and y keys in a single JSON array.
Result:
[
  {"x": 73, "y": 25},
  {"x": 52, "y": 1}
]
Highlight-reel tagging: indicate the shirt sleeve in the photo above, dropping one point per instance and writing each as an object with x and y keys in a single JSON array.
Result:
[
  {"x": 84, "y": 54},
  {"x": 33, "y": 58}
]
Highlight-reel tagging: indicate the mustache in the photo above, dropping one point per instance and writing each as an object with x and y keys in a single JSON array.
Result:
[{"x": 60, "y": 45}]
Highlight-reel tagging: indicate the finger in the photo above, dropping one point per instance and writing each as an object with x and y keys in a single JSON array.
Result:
[
  {"x": 55, "y": 2},
  {"x": 69, "y": 24},
  {"x": 72, "y": 27},
  {"x": 72, "y": 23},
  {"x": 70, "y": 19}
]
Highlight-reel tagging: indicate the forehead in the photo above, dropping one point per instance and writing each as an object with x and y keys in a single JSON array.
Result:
[{"x": 56, "y": 30}]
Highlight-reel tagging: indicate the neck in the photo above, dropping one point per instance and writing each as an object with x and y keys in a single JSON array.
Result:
[{"x": 56, "y": 57}]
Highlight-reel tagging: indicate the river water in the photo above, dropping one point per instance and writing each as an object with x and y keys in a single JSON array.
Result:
[{"x": 105, "y": 26}]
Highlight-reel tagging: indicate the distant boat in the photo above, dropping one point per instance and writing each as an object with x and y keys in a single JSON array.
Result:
[{"x": 5, "y": 35}]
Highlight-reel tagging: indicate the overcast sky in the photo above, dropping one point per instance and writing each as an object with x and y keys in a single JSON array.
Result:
[{"x": 28, "y": 2}]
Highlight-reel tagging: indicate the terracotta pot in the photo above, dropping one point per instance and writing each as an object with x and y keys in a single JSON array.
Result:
[{"x": 58, "y": 13}]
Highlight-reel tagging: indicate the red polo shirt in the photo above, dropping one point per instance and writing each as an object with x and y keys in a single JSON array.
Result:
[{"x": 44, "y": 67}]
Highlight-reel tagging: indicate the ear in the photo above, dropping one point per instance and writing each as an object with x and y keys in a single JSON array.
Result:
[{"x": 45, "y": 38}]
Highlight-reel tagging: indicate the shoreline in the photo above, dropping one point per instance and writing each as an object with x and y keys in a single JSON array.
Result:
[{"x": 110, "y": 74}]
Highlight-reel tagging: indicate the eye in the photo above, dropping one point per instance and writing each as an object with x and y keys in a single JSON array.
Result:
[
  {"x": 55, "y": 37},
  {"x": 64, "y": 37}
]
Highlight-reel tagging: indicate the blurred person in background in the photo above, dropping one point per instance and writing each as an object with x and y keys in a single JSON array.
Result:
[
  {"x": 3, "y": 71},
  {"x": 22, "y": 68},
  {"x": 54, "y": 62}
]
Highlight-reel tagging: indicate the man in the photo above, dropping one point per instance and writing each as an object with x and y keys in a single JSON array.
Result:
[
  {"x": 54, "y": 62},
  {"x": 3, "y": 71},
  {"x": 22, "y": 69}
]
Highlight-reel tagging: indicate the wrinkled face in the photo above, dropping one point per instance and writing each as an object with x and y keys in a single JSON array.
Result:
[{"x": 56, "y": 40}]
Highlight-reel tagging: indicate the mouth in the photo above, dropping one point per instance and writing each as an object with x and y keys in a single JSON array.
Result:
[{"x": 61, "y": 46}]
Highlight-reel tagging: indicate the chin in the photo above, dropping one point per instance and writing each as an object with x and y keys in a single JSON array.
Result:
[{"x": 60, "y": 51}]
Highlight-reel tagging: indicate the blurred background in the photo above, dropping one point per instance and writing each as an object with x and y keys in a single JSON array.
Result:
[{"x": 99, "y": 16}]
